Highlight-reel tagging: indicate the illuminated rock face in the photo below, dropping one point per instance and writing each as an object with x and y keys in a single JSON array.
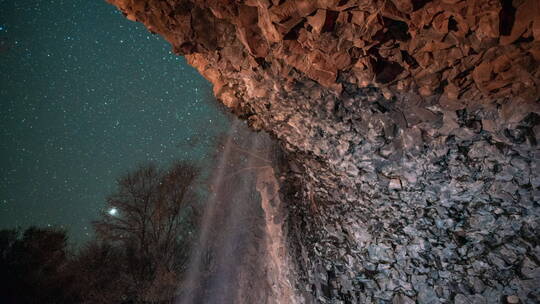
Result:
[
  {"x": 412, "y": 129},
  {"x": 466, "y": 51}
]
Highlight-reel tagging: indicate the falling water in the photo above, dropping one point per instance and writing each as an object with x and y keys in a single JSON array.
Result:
[
  {"x": 241, "y": 256},
  {"x": 194, "y": 271}
]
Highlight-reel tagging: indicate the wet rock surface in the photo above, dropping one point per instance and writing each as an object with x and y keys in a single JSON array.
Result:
[{"x": 411, "y": 128}]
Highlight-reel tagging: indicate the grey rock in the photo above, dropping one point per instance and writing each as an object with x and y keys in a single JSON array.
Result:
[
  {"x": 469, "y": 299},
  {"x": 426, "y": 295},
  {"x": 529, "y": 269},
  {"x": 402, "y": 299}
]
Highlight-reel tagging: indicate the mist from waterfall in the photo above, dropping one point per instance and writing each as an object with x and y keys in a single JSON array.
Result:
[{"x": 240, "y": 256}]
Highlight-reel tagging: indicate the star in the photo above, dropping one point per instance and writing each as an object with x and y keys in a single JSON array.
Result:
[{"x": 112, "y": 211}]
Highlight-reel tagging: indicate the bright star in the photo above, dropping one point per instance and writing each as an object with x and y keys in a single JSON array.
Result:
[{"x": 113, "y": 211}]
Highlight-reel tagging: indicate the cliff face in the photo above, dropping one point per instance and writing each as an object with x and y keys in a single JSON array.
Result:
[
  {"x": 412, "y": 129},
  {"x": 468, "y": 51}
]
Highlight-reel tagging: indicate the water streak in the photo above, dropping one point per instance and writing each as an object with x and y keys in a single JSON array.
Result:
[{"x": 241, "y": 254}]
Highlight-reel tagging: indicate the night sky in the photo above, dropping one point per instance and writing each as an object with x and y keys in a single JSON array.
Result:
[{"x": 85, "y": 96}]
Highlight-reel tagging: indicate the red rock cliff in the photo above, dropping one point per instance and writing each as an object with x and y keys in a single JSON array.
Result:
[{"x": 468, "y": 51}]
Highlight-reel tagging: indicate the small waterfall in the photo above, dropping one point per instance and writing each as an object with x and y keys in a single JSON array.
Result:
[
  {"x": 277, "y": 263},
  {"x": 240, "y": 256},
  {"x": 196, "y": 265}
]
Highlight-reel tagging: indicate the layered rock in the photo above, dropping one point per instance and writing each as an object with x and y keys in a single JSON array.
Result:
[{"x": 412, "y": 129}]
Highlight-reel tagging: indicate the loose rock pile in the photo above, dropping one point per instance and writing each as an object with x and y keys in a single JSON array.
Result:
[{"x": 412, "y": 204}]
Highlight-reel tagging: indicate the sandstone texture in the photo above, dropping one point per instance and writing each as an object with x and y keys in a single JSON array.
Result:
[{"x": 411, "y": 129}]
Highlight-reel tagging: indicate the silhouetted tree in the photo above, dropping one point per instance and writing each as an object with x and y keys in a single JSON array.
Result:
[
  {"x": 102, "y": 277},
  {"x": 32, "y": 266},
  {"x": 151, "y": 218},
  {"x": 140, "y": 252},
  {"x": 8, "y": 271}
]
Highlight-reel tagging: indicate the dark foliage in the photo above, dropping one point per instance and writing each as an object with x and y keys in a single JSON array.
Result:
[
  {"x": 138, "y": 256},
  {"x": 32, "y": 266}
]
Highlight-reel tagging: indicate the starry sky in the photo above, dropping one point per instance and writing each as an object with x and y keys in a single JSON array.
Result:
[{"x": 85, "y": 96}]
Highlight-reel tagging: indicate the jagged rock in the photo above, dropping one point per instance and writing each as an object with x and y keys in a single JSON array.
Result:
[{"x": 474, "y": 47}]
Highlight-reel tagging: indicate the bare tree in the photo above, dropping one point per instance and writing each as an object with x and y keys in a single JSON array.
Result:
[{"x": 151, "y": 216}]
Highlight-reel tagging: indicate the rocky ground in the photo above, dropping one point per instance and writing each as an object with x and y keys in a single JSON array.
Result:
[{"x": 411, "y": 128}]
